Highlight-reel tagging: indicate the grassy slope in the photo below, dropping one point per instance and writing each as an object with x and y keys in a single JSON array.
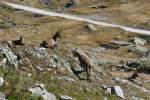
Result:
[{"x": 72, "y": 32}]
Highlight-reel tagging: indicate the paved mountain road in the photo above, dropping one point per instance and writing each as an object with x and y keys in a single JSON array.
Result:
[{"x": 73, "y": 17}]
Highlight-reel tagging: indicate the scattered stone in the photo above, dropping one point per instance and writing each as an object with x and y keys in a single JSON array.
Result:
[
  {"x": 114, "y": 90},
  {"x": 54, "y": 61},
  {"x": 90, "y": 27},
  {"x": 99, "y": 6},
  {"x": 66, "y": 78},
  {"x": 39, "y": 90},
  {"x": 134, "y": 65},
  {"x": 1, "y": 81},
  {"x": 119, "y": 91},
  {"x": 145, "y": 25},
  {"x": 138, "y": 41},
  {"x": 137, "y": 98},
  {"x": 123, "y": 1},
  {"x": 38, "y": 52},
  {"x": 45, "y": 1},
  {"x": 37, "y": 15},
  {"x": 39, "y": 68},
  {"x": 3, "y": 60},
  {"x": 98, "y": 49},
  {"x": 121, "y": 43},
  {"x": 65, "y": 97},
  {"x": 29, "y": 75},
  {"x": 2, "y": 96},
  {"x": 110, "y": 46},
  {"x": 10, "y": 56},
  {"x": 139, "y": 50}
]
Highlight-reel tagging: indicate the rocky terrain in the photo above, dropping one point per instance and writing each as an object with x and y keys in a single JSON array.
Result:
[{"x": 119, "y": 60}]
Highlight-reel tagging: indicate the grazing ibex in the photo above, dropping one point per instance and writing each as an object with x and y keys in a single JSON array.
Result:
[
  {"x": 51, "y": 43},
  {"x": 85, "y": 62}
]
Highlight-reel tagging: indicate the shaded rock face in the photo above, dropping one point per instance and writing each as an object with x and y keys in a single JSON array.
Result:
[{"x": 39, "y": 90}]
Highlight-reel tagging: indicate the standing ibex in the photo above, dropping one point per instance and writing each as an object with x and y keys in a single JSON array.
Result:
[
  {"x": 51, "y": 43},
  {"x": 84, "y": 61}
]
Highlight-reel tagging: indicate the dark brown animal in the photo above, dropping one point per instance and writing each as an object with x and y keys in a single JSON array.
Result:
[
  {"x": 134, "y": 76},
  {"x": 52, "y": 43},
  {"x": 18, "y": 42},
  {"x": 85, "y": 62}
]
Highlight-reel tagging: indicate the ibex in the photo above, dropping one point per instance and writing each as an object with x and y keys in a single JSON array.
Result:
[
  {"x": 51, "y": 43},
  {"x": 85, "y": 62}
]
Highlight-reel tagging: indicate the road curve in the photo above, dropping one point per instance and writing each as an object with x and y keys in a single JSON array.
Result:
[{"x": 73, "y": 17}]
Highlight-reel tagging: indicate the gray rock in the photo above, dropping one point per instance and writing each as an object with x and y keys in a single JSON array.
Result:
[
  {"x": 144, "y": 25},
  {"x": 136, "y": 98},
  {"x": 39, "y": 90},
  {"x": 48, "y": 96},
  {"x": 102, "y": 62},
  {"x": 66, "y": 78},
  {"x": 121, "y": 43},
  {"x": 119, "y": 91},
  {"x": 98, "y": 49},
  {"x": 90, "y": 27},
  {"x": 55, "y": 61},
  {"x": 45, "y": 1},
  {"x": 65, "y": 97},
  {"x": 37, "y": 52},
  {"x": 105, "y": 98},
  {"x": 138, "y": 41},
  {"x": 1, "y": 81},
  {"x": 2, "y": 96},
  {"x": 11, "y": 57},
  {"x": 3, "y": 60},
  {"x": 130, "y": 65},
  {"x": 75, "y": 66},
  {"x": 114, "y": 90},
  {"x": 99, "y": 6},
  {"x": 139, "y": 50},
  {"x": 110, "y": 46},
  {"x": 123, "y": 1}
]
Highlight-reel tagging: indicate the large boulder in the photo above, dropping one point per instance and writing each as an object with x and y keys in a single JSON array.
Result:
[{"x": 39, "y": 90}]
